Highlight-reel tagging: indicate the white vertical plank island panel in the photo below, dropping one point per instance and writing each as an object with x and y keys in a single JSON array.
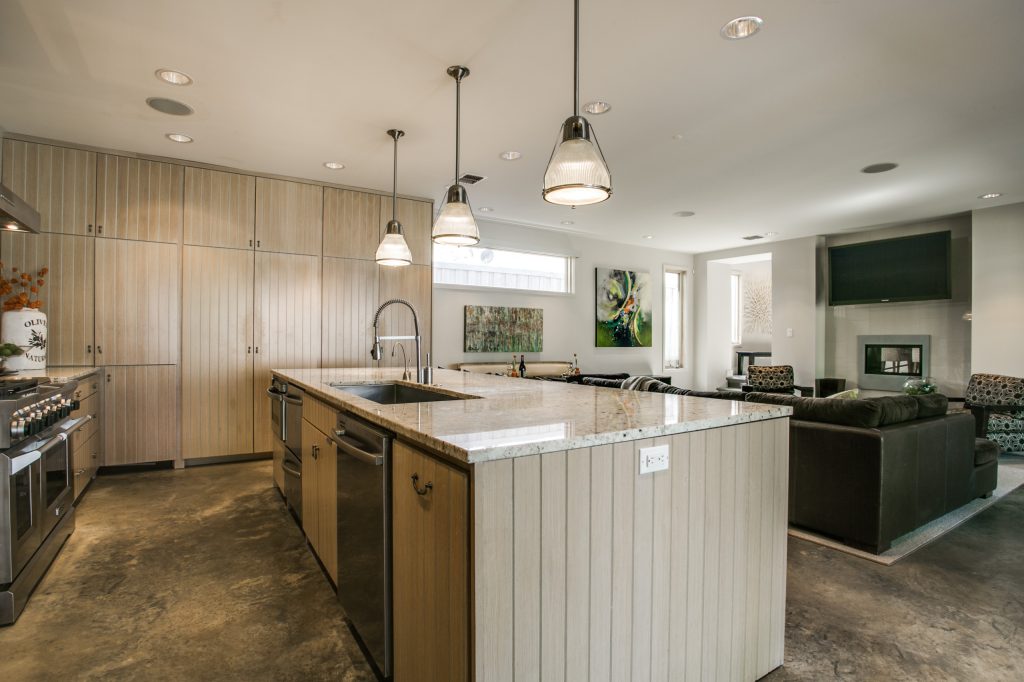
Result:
[{"x": 586, "y": 570}]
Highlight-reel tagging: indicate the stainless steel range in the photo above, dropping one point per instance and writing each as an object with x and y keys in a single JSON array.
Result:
[{"x": 36, "y": 512}]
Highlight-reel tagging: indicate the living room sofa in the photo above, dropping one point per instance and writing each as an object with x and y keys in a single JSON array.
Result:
[{"x": 869, "y": 471}]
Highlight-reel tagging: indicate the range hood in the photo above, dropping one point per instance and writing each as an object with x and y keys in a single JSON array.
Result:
[{"x": 15, "y": 214}]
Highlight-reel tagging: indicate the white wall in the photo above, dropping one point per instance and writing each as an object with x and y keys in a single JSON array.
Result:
[
  {"x": 997, "y": 331},
  {"x": 942, "y": 320},
  {"x": 716, "y": 343},
  {"x": 568, "y": 319}
]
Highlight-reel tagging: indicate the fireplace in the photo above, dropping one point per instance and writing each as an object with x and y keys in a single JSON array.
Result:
[{"x": 886, "y": 362}]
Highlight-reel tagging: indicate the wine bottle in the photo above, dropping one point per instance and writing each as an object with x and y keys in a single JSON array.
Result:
[{"x": 522, "y": 366}]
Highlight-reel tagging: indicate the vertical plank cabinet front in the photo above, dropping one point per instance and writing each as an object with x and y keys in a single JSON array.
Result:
[
  {"x": 60, "y": 183},
  {"x": 327, "y": 504},
  {"x": 289, "y": 216},
  {"x": 349, "y": 302},
  {"x": 287, "y": 323},
  {"x": 68, "y": 295},
  {"x": 140, "y": 414},
  {"x": 217, "y": 389},
  {"x": 431, "y": 568},
  {"x": 351, "y": 223},
  {"x": 137, "y": 303},
  {"x": 84, "y": 462},
  {"x": 310, "y": 484},
  {"x": 138, "y": 199},
  {"x": 220, "y": 209},
  {"x": 417, "y": 220},
  {"x": 413, "y": 284}
]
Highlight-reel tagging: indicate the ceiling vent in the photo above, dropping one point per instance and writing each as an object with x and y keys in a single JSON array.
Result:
[
  {"x": 753, "y": 237},
  {"x": 470, "y": 179}
]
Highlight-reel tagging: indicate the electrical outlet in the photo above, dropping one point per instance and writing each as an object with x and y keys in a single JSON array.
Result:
[{"x": 653, "y": 459}]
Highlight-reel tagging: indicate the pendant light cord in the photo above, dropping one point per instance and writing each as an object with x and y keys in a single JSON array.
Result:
[
  {"x": 458, "y": 122},
  {"x": 394, "y": 182},
  {"x": 576, "y": 59}
]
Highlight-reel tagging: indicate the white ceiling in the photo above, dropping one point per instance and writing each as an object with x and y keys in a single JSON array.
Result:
[{"x": 772, "y": 130}]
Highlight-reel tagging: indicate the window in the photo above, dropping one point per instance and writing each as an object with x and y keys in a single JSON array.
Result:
[
  {"x": 736, "y": 314},
  {"x": 674, "y": 319},
  {"x": 477, "y": 266}
]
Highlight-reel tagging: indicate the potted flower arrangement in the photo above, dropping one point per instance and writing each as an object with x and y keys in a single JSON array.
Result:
[{"x": 24, "y": 323}]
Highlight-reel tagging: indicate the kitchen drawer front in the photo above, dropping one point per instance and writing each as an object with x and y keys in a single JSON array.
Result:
[
  {"x": 85, "y": 460},
  {"x": 87, "y": 386},
  {"x": 90, "y": 406},
  {"x": 319, "y": 414}
]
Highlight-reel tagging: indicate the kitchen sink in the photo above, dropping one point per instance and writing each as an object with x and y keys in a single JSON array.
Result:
[{"x": 395, "y": 394}]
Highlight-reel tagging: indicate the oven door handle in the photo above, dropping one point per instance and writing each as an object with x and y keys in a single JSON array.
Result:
[
  {"x": 74, "y": 426},
  {"x": 289, "y": 469},
  {"x": 290, "y": 400},
  {"x": 275, "y": 394}
]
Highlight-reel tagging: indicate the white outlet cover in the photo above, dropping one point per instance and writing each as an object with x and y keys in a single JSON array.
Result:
[{"x": 654, "y": 459}]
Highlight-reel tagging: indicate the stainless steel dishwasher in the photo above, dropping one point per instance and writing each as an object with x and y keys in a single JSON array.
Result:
[{"x": 364, "y": 536}]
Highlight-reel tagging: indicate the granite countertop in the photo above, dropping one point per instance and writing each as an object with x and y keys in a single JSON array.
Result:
[
  {"x": 58, "y": 374},
  {"x": 506, "y": 417}
]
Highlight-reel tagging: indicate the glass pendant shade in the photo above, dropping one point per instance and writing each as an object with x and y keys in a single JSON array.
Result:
[
  {"x": 393, "y": 250},
  {"x": 577, "y": 173},
  {"x": 455, "y": 223}
]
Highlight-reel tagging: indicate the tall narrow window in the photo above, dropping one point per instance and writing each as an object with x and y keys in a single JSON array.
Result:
[
  {"x": 673, "y": 319},
  {"x": 736, "y": 297}
]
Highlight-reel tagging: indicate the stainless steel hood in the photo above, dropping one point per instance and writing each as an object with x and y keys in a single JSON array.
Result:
[{"x": 15, "y": 214}]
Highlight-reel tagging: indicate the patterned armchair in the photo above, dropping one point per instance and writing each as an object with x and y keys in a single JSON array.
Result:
[
  {"x": 773, "y": 379},
  {"x": 997, "y": 403}
]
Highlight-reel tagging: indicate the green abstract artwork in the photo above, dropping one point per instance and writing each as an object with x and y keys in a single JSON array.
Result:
[
  {"x": 493, "y": 329},
  {"x": 623, "y": 308}
]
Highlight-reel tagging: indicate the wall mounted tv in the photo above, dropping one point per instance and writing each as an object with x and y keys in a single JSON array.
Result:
[{"x": 915, "y": 268}]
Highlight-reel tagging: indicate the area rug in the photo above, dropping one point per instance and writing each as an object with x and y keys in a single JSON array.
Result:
[{"x": 1011, "y": 477}]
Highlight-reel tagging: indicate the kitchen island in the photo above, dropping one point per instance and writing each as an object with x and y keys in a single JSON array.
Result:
[{"x": 539, "y": 550}]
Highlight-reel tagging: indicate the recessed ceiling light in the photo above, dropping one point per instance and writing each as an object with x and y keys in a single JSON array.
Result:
[
  {"x": 511, "y": 156},
  {"x": 991, "y": 195},
  {"x": 597, "y": 107},
  {"x": 334, "y": 165},
  {"x": 485, "y": 209},
  {"x": 742, "y": 27},
  {"x": 684, "y": 214},
  {"x": 879, "y": 167},
  {"x": 178, "y": 137},
  {"x": 173, "y": 77},
  {"x": 568, "y": 222},
  {"x": 169, "y": 106},
  {"x": 648, "y": 236}
]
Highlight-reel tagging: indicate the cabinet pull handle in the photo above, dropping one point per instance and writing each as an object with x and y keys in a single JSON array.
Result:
[
  {"x": 99, "y": 229},
  {"x": 257, "y": 350},
  {"x": 88, "y": 228},
  {"x": 316, "y": 451},
  {"x": 250, "y": 242},
  {"x": 99, "y": 350},
  {"x": 108, "y": 378},
  {"x": 427, "y": 487},
  {"x": 88, "y": 349},
  {"x": 248, "y": 349},
  {"x": 257, "y": 243}
]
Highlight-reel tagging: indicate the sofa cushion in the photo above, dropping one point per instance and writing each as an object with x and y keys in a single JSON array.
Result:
[
  {"x": 644, "y": 383},
  {"x": 851, "y": 394},
  {"x": 602, "y": 383},
  {"x": 717, "y": 395},
  {"x": 864, "y": 414},
  {"x": 896, "y": 409},
  {"x": 985, "y": 451},
  {"x": 1005, "y": 423},
  {"x": 931, "y": 405}
]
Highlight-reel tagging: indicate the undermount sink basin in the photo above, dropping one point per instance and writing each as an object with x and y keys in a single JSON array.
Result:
[{"x": 394, "y": 394}]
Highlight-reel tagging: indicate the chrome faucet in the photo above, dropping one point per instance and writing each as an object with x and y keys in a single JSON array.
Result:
[
  {"x": 405, "y": 360},
  {"x": 377, "y": 352}
]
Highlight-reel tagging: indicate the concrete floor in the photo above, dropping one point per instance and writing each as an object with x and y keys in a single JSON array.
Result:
[{"x": 201, "y": 575}]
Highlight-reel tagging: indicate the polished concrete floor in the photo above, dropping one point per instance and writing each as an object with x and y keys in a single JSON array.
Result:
[{"x": 200, "y": 575}]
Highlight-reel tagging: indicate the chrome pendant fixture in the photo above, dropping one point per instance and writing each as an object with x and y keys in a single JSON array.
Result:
[
  {"x": 455, "y": 223},
  {"x": 577, "y": 173},
  {"x": 393, "y": 250}
]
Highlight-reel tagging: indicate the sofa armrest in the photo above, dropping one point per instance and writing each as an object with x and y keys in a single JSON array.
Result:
[{"x": 805, "y": 391}]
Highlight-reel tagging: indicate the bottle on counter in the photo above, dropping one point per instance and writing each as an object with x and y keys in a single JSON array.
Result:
[
  {"x": 522, "y": 366},
  {"x": 576, "y": 364},
  {"x": 512, "y": 368}
]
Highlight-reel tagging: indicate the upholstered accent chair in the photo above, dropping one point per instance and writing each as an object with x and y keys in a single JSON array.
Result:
[
  {"x": 997, "y": 403},
  {"x": 774, "y": 379}
]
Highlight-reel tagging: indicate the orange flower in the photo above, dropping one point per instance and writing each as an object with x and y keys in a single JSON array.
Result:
[
  {"x": 44, "y": 271},
  {"x": 34, "y": 290},
  {"x": 40, "y": 282}
]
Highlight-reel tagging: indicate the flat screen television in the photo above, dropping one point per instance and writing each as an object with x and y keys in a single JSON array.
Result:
[{"x": 915, "y": 268}]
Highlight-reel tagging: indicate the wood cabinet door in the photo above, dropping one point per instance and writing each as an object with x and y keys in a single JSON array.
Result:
[
  {"x": 349, "y": 302},
  {"x": 68, "y": 295},
  {"x": 137, "y": 303},
  {"x": 431, "y": 568},
  {"x": 217, "y": 389},
  {"x": 289, "y": 216},
  {"x": 220, "y": 208},
  {"x": 327, "y": 504},
  {"x": 351, "y": 223},
  {"x": 140, "y": 414},
  {"x": 138, "y": 199},
  {"x": 310, "y": 485},
  {"x": 60, "y": 183},
  {"x": 417, "y": 221},
  {"x": 84, "y": 462},
  {"x": 287, "y": 323},
  {"x": 413, "y": 284}
]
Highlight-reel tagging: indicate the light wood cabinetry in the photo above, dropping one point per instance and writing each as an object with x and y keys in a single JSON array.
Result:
[
  {"x": 87, "y": 442},
  {"x": 58, "y": 182},
  {"x": 289, "y": 216},
  {"x": 412, "y": 283},
  {"x": 417, "y": 222},
  {"x": 68, "y": 293},
  {"x": 137, "y": 303},
  {"x": 140, "y": 415},
  {"x": 217, "y": 352},
  {"x": 320, "y": 496},
  {"x": 351, "y": 223},
  {"x": 138, "y": 199},
  {"x": 220, "y": 208},
  {"x": 287, "y": 326},
  {"x": 85, "y": 460},
  {"x": 431, "y": 568},
  {"x": 349, "y": 302}
]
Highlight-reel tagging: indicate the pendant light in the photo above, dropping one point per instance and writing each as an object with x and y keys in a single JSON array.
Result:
[
  {"x": 577, "y": 173},
  {"x": 455, "y": 223},
  {"x": 393, "y": 251}
]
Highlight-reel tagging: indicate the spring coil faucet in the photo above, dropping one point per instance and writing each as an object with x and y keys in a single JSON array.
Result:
[{"x": 377, "y": 351}]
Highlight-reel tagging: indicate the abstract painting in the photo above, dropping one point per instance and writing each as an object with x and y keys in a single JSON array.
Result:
[
  {"x": 757, "y": 306},
  {"x": 623, "y": 308},
  {"x": 493, "y": 329}
]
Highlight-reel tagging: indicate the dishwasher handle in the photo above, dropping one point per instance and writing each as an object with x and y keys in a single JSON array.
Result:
[{"x": 352, "y": 449}]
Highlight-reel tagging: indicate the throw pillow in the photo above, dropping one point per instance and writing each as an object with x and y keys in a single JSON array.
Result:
[{"x": 852, "y": 394}]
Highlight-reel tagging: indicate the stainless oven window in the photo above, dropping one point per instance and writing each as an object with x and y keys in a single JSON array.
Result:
[{"x": 21, "y": 504}]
